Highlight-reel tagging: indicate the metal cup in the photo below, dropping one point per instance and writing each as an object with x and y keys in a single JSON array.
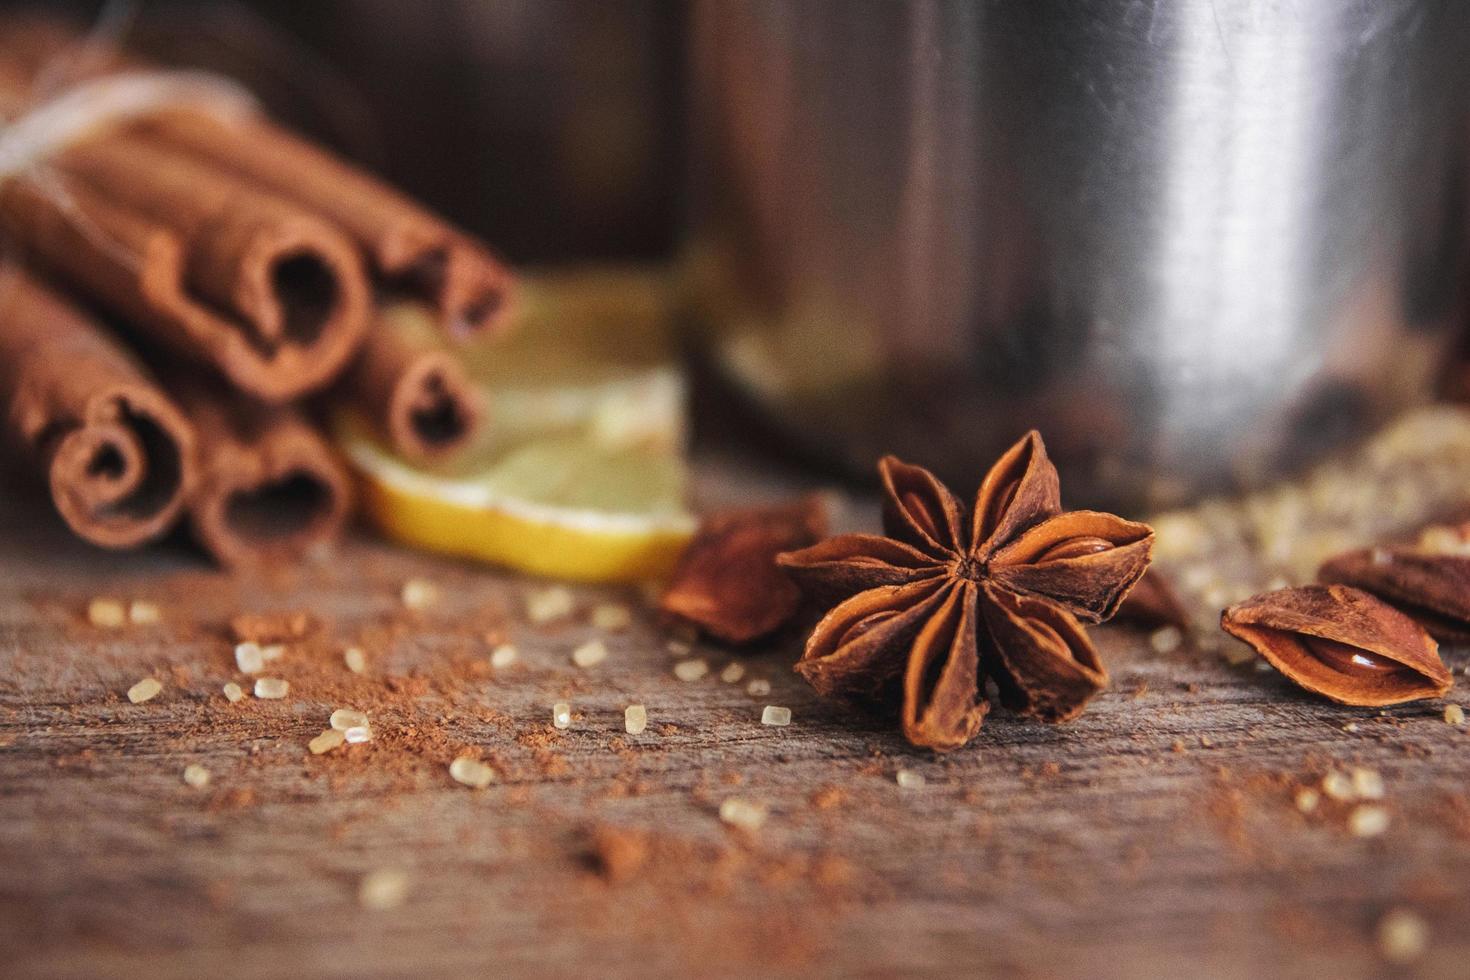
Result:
[{"x": 1195, "y": 242}]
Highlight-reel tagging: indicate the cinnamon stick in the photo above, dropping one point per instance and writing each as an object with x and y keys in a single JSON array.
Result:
[
  {"x": 414, "y": 391},
  {"x": 115, "y": 452},
  {"x": 198, "y": 261},
  {"x": 270, "y": 488},
  {"x": 413, "y": 251}
]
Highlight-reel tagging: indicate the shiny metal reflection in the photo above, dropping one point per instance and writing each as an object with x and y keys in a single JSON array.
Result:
[{"x": 1194, "y": 242}]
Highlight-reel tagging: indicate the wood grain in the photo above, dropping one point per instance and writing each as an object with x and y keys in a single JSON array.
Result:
[{"x": 1155, "y": 835}]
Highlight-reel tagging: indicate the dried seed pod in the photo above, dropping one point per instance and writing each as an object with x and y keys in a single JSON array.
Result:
[
  {"x": 1041, "y": 658},
  {"x": 841, "y": 567},
  {"x": 952, "y": 597},
  {"x": 728, "y": 583},
  {"x": 1342, "y": 643},
  {"x": 1433, "y": 588},
  {"x": 1082, "y": 560},
  {"x": 1154, "y": 602}
]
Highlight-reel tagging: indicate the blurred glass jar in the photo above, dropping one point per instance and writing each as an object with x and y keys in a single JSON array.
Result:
[{"x": 1195, "y": 243}]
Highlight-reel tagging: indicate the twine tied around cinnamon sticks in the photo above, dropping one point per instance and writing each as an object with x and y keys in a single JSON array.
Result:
[
  {"x": 96, "y": 103},
  {"x": 215, "y": 270}
]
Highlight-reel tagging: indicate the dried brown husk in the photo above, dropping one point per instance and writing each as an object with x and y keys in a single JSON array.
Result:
[
  {"x": 1153, "y": 601},
  {"x": 1090, "y": 586},
  {"x": 1021, "y": 490},
  {"x": 1432, "y": 588},
  {"x": 919, "y": 510},
  {"x": 837, "y": 568},
  {"x": 851, "y": 651},
  {"x": 943, "y": 700},
  {"x": 1400, "y": 661},
  {"x": 727, "y": 582},
  {"x": 1043, "y": 661}
]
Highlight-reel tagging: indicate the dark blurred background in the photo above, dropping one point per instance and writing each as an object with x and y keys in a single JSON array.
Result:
[{"x": 550, "y": 127}]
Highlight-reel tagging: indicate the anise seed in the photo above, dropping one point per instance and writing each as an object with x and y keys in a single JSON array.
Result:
[
  {"x": 1349, "y": 659},
  {"x": 1079, "y": 547}
]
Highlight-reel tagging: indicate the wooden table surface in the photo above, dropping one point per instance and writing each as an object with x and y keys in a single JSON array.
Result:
[{"x": 1155, "y": 836}]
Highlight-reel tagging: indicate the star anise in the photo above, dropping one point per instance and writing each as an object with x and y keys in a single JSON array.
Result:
[
  {"x": 1430, "y": 584},
  {"x": 1342, "y": 643},
  {"x": 950, "y": 598},
  {"x": 727, "y": 584}
]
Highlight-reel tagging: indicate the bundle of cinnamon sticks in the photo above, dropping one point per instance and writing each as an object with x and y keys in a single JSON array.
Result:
[{"x": 178, "y": 280}]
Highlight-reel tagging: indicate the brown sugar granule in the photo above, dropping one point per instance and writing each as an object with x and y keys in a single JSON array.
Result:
[
  {"x": 909, "y": 779},
  {"x": 1402, "y": 936},
  {"x": 144, "y": 690},
  {"x": 690, "y": 670},
  {"x": 106, "y": 613},
  {"x": 828, "y": 797},
  {"x": 383, "y": 889},
  {"x": 143, "y": 613},
  {"x": 617, "y": 853},
  {"x": 1368, "y": 820},
  {"x": 748, "y": 815},
  {"x": 419, "y": 594},
  {"x": 611, "y": 617},
  {"x": 355, "y": 660}
]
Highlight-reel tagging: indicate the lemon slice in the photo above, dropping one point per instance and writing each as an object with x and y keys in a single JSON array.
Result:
[
  {"x": 589, "y": 349},
  {"x": 580, "y": 472},
  {"x": 563, "y": 507}
]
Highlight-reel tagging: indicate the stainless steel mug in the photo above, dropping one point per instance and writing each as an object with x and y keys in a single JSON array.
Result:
[{"x": 1193, "y": 241}]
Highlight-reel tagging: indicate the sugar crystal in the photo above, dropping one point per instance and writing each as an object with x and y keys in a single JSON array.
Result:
[
  {"x": 249, "y": 658},
  {"x": 355, "y": 660},
  {"x": 106, "y": 614},
  {"x": 1402, "y": 936},
  {"x": 143, "y": 613},
  {"x": 611, "y": 617},
  {"x": 383, "y": 889},
  {"x": 471, "y": 772},
  {"x": 345, "y": 718},
  {"x": 1367, "y": 784},
  {"x": 419, "y": 593},
  {"x": 590, "y": 654},
  {"x": 1368, "y": 820},
  {"x": 909, "y": 779},
  {"x": 745, "y": 814},
  {"x": 545, "y": 605},
  {"x": 690, "y": 670},
  {"x": 326, "y": 741},
  {"x": 776, "y": 715},
  {"x": 145, "y": 689},
  {"x": 271, "y": 688}
]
